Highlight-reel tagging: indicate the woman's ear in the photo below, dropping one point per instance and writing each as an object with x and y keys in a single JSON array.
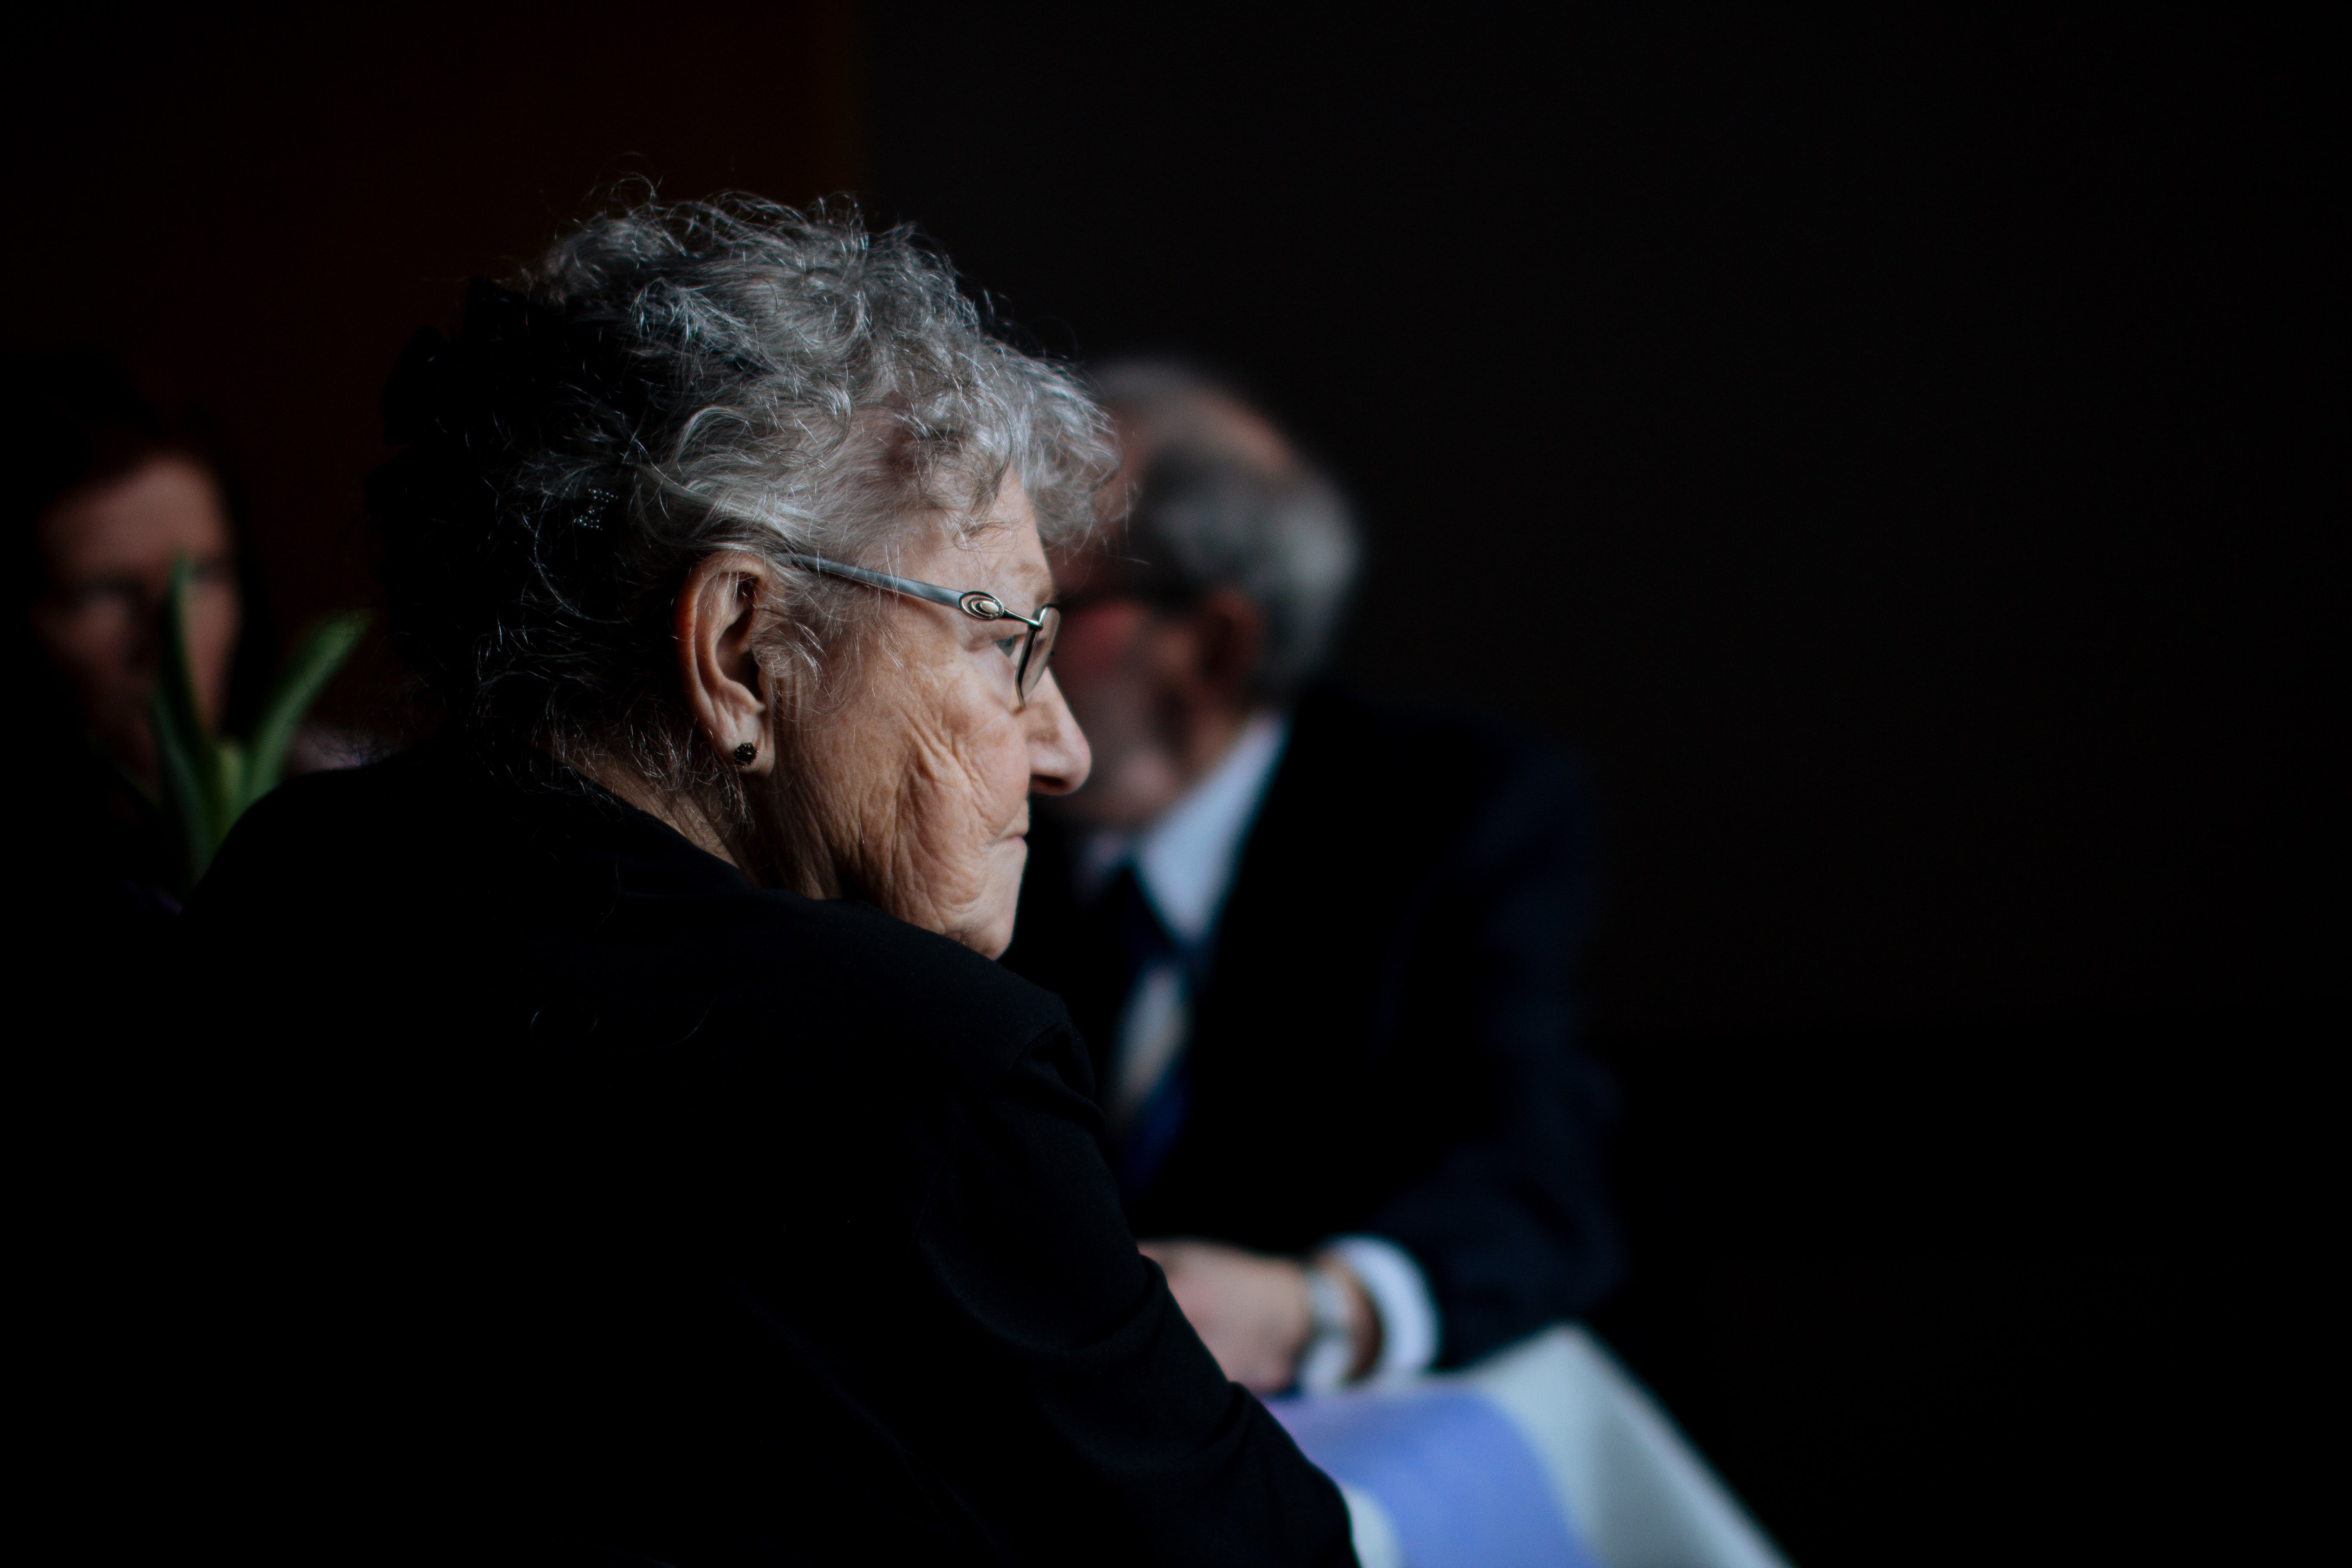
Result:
[{"x": 716, "y": 623}]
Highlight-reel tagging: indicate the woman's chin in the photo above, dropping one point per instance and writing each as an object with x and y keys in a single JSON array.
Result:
[
  {"x": 992, "y": 926},
  {"x": 988, "y": 933}
]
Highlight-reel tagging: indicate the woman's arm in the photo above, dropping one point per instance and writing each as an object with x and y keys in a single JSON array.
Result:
[{"x": 1023, "y": 1235}]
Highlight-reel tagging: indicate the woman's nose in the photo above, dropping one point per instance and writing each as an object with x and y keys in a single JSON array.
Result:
[{"x": 1059, "y": 758}]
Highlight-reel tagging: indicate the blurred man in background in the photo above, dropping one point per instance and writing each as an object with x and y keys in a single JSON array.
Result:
[{"x": 1324, "y": 952}]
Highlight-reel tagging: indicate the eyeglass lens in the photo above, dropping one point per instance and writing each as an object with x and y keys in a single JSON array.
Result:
[{"x": 1039, "y": 651}]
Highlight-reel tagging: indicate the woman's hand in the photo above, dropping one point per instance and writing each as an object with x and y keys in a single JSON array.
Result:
[{"x": 1253, "y": 1311}]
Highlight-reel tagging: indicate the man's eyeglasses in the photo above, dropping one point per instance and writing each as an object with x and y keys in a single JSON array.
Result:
[{"x": 1036, "y": 643}]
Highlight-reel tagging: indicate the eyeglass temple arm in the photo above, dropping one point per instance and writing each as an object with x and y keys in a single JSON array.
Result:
[{"x": 978, "y": 605}]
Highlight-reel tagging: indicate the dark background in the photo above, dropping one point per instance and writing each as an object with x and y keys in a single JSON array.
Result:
[
  {"x": 259, "y": 205},
  {"x": 1895, "y": 455},
  {"x": 1891, "y": 454}
]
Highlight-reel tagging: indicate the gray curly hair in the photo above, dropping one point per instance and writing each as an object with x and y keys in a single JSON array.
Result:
[{"x": 669, "y": 382}]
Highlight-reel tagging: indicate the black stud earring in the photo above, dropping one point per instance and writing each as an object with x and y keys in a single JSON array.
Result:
[{"x": 746, "y": 754}]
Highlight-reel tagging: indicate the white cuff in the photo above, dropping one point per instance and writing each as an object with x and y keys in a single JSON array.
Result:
[
  {"x": 1400, "y": 1294},
  {"x": 1375, "y": 1533}
]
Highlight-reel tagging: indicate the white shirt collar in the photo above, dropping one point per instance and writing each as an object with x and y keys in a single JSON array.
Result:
[{"x": 1185, "y": 861}]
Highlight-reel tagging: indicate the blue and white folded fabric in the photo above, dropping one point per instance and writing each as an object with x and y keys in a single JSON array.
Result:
[{"x": 1545, "y": 1453}]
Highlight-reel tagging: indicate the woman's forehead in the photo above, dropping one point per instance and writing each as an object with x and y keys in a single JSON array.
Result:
[
  {"x": 1007, "y": 551},
  {"x": 1024, "y": 569}
]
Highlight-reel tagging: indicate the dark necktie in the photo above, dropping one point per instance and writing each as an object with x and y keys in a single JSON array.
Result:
[{"x": 1147, "y": 1089}]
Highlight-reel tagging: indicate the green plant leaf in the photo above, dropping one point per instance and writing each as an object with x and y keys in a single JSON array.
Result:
[
  {"x": 209, "y": 781},
  {"x": 230, "y": 759},
  {"x": 322, "y": 651},
  {"x": 183, "y": 794},
  {"x": 185, "y": 752}
]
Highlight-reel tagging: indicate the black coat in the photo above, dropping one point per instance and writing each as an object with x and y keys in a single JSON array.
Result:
[
  {"x": 583, "y": 1199},
  {"x": 1387, "y": 1039}
]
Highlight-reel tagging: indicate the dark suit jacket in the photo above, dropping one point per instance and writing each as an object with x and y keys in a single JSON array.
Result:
[
  {"x": 1387, "y": 1039},
  {"x": 582, "y": 1200}
]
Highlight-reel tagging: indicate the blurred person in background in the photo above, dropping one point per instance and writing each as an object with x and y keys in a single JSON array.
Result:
[
  {"x": 1323, "y": 951},
  {"x": 105, "y": 490}
]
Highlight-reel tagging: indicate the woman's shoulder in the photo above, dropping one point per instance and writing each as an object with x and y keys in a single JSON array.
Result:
[
  {"x": 538, "y": 896},
  {"x": 318, "y": 835},
  {"x": 853, "y": 971}
]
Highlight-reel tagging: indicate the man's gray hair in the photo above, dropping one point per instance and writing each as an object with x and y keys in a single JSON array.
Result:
[
  {"x": 669, "y": 382},
  {"x": 1222, "y": 501}
]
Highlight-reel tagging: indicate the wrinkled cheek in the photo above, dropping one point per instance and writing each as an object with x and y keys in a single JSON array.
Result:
[
  {"x": 851, "y": 821},
  {"x": 907, "y": 849},
  {"x": 964, "y": 858}
]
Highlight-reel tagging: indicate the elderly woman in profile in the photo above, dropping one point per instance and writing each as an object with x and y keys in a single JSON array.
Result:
[{"x": 650, "y": 1163}]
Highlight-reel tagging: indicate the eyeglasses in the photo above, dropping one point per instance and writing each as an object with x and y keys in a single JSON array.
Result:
[{"x": 1036, "y": 644}]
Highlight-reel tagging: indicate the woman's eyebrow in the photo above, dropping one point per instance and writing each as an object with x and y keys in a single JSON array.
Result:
[{"x": 1036, "y": 580}]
